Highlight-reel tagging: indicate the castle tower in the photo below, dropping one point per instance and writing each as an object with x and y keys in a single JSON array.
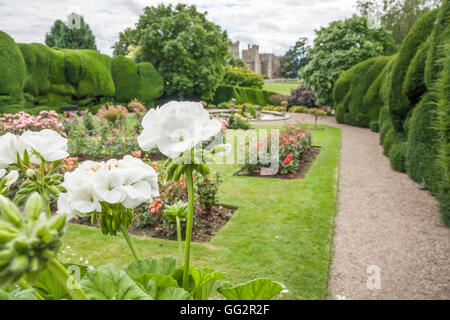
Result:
[{"x": 234, "y": 49}]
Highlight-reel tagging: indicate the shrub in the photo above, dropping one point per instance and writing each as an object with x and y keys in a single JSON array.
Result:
[
  {"x": 374, "y": 126},
  {"x": 207, "y": 189},
  {"x": 423, "y": 145},
  {"x": 237, "y": 121},
  {"x": 37, "y": 60},
  {"x": 294, "y": 144},
  {"x": 397, "y": 156},
  {"x": 356, "y": 83},
  {"x": 298, "y": 109},
  {"x": 112, "y": 113},
  {"x": 133, "y": 80},
  {"x": 302, "y": 96},
  {"x": 225, "y": 93},
  {"x": 136, "y": 106},
  {"x": 391, "y": 139},
  {"x": 414, "y": 84},
  {"x": 242, "y": 77},
  {"x": 398, "y": 102},
  {"x": 278, "y": 100},
  {"x": 12, "y": 70}
]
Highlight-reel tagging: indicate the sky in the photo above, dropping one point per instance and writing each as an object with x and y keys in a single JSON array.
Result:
[{"x": 275, "y": 25}]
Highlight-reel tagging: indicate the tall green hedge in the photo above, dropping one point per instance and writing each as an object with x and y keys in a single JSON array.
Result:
[
  {"x": 413, "y": 91},
  {"x": 36, "y": 76},
  {"x": 132, "y": 80},
  {"x": 398, "y": 102},
  {"x": 356, "y": 92},
  {"x": 12, "y": 72},
  {"x": 225, "y": 93}
]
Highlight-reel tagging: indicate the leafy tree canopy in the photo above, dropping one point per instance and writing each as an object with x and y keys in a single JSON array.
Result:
[
  {"x": 188, "y": 50},
  {"x": 337, "y": 48},
  {"x": 398, "y": 16},
  {"x": 78, "y": 36},
  {"x": 294, "y": 59}
]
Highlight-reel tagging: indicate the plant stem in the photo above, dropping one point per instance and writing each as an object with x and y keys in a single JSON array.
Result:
[
  {"x": 26, "y": 285},
  {"x": 64, "y": 278},
  {"x": 130, "y": 242},
  {"x": 180, "y": 249},
  {"x": 190, "y": 185}
]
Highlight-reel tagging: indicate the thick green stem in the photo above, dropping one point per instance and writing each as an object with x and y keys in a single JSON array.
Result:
[
  {"x": 46, "y": 199},
  {"x": 190, "y": 185},
  {"x": 26, "y": 285},
  {"x": 180, "y": 249},
  {"x": 130, "y": 243},
  {"x": 66, "y": 280}
]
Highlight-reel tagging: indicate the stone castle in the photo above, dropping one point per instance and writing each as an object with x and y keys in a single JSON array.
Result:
[{"x": 266, "y": 64}]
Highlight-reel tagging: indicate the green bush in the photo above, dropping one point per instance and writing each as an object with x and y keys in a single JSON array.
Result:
[
  {"x": 37, "y": 61},
  {"x": 356, "y": 82},
  {"x": 414, "y": 84},
  {"x": 225, "y": 93},
  {"x": 12, "y": 72},
  {"x": 423, "y": 145},
  {"x": 391, "y": 139},
  {"x": 374, "y": 126},
  {"x": 242, "y": 77},
  {"x": 132, "y": 80},
  {"x": 439, "y": 38},
  {"x": 397, "y": 156},
  {"x": 398, "y": 102}
]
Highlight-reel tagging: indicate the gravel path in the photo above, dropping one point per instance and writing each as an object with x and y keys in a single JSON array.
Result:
[{"x": 390, "y": 241}]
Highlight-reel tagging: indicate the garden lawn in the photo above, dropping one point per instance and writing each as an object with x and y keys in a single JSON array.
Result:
[
  {"x": 282, "y": 230},
  {"x": 281, "y": 87}
]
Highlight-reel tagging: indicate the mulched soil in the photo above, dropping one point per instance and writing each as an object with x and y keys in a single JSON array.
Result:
[
  {"x": 301, "y": 172},
  {"x": 205, "y": 227}
]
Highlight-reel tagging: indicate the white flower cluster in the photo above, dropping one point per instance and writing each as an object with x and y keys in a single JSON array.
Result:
[
  {"x": 129, "y": 182},
  {"x": 48, "y": 143},
  {"x": 177, "y": 127}
]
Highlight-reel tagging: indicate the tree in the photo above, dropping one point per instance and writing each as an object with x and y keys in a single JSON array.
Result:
[
  {"x": 188, "y": 50},
  {"x": 294, "y": 59},
  {"x": 337, "y": 48},
  {"x": 77, "y": 37},
  {"x": 127, "y": 38},
  {"x": 398, "y": 16}
]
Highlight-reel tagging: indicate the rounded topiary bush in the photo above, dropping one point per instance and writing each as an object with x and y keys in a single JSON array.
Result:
[
  {"x": 12, "y": 71},
  {"x": 392, "y": 138},
  {"x": 37, "y": 61},
  {"x": 397, "y": 156},
  {"x": 133, "y": 80},
  {"x": 352, "y": 88}
]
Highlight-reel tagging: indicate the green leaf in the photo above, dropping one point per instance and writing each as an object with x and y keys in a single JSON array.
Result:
[
  {"x": 5, "y": 295},
  {"x": 201, "y": 281},
  {"x": 258, "y": 289},
  {"x": 27, "y": 294},
  {"x": 51, "y": 289},
  {"x": 162, "y": 287},
  {"x": 164, "y": 266},
  {"x": 109, "y": 282}
]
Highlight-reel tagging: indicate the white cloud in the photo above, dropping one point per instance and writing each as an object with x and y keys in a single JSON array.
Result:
[{"x": 273, "y": 25}]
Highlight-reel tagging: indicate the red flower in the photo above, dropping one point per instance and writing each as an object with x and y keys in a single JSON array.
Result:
[
  {"x": 299, "y": 136},
  {"x": 289, "y": 156},
  {"x": 287, "y": 161}
]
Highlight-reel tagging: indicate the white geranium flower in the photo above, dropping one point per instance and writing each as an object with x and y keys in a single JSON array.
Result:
[
  {"x": 84, "y": 199},
  {"x": 10, "y": 145},
  {"x": 129, "y": 181},
  {"x": 11, "y": 177},
  {"x": 108, "y": 185},
  {"x": 2, "y": 173},
  {"x": 177, "y": 127},
  {"x": 48, "y": 143}
]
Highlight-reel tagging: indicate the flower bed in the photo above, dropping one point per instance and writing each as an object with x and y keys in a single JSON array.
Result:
[{"x": 295, "y": 154}]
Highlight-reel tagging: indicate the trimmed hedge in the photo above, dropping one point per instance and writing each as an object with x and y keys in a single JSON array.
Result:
[
  {"x": 351, "y": 89},
  {"x": 225, "y": 93},
  {"x": 397, "y": 156},
  {"x": 398, "y": 102},
  {"x": 132, "y": 80},
  {"x": 12, "y": 72},
  {"x": 423, "y": 147},
  {"x": 414, "y": 84}
]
